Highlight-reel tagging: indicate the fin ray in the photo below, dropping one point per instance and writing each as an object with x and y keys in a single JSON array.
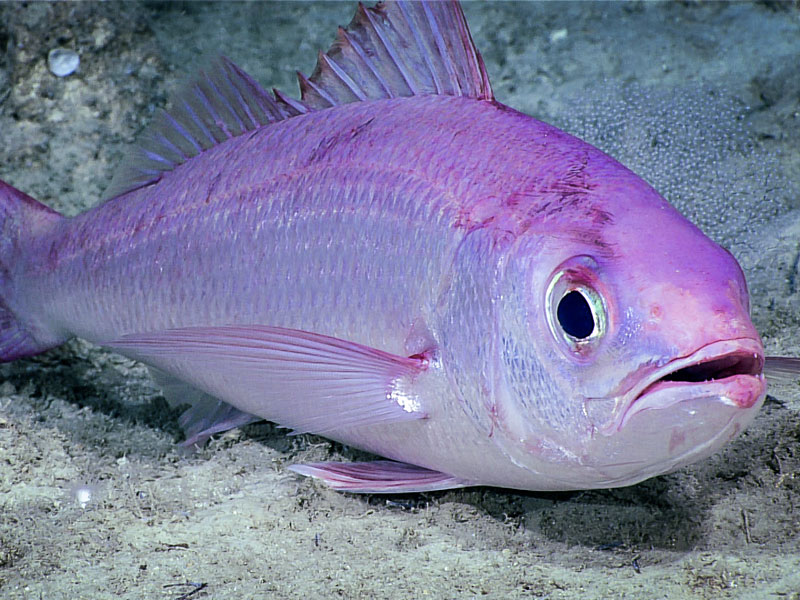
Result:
[
  {"x": 782, "y": 369},
  {"x": 393, "y": 50},
  {"x": 297, "y": 379},
  {"x": 205, "y": 416},
  {"x": 379, "y": 477},
  {"x": 398, "y": 49},
  {"x": 223, "y": 102}
]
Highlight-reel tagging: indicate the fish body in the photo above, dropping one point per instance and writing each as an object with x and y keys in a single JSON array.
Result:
[{"x": 433, "y": 277}]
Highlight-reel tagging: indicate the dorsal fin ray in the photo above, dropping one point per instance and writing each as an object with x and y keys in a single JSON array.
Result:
[
  {"x": 221, "y": 103},
  {"x": 396, "y": 49}
]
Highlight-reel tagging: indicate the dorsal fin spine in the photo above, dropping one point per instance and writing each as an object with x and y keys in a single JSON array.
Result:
[
  {"x": 428, "y": 63},
  {"x": 255, "y": 96},
  {"x": 359, "y": 51},
  {"x": 308, "y": 87},
  {"x": 351, "y": 85},
  {"x": 157, "y": 157},
  {"x": 226, "y": 103},
  {"x": 194, "y": 113},
  {"x": 199, "y": 122},
  {"x": 253, "y": 123},
  {"x": 189, "y": 137},
  {"x": 441, "y": 46},
  {"x": 216, "y": 118},
  {"x": 387, "y": 45},
  {"x": 165, "y": 141},
  {"x": 296, "y": 105}
]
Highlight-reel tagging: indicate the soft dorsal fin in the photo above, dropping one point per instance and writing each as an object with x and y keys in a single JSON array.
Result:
[
  {"x": 222, "y": 102},
  {"x": 396, "y": 49}
]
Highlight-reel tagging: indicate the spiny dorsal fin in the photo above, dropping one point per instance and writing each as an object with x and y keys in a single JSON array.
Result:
[
  {"x": 395, "y": 49},
  {"x": 398, "y": 49}
]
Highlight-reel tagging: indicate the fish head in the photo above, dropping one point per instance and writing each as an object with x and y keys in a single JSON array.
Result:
[{"x": 625, "y": 348}]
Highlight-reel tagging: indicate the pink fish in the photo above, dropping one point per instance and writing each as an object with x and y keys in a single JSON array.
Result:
[{"x": 401, "y": 263}]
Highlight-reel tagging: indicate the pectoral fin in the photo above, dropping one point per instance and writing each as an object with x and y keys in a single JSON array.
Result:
[
  {"x": 301, "y": 380},
  {"x": 782, "y": 369}
]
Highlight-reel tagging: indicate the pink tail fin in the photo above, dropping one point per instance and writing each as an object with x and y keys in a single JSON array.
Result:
[{"x": 21, "y": 218}]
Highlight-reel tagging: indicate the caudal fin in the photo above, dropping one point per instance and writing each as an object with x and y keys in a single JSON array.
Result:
[{"x": 21, "y": 219}]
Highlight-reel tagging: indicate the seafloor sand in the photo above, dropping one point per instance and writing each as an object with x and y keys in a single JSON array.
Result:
[{"x": 230, "y": 519}]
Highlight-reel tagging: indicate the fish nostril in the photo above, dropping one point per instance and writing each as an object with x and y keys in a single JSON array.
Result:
[{"x": 718, "y": 368}]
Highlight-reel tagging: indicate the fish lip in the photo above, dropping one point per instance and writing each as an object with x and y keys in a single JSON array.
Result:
[{"x": 646, "y": 393}]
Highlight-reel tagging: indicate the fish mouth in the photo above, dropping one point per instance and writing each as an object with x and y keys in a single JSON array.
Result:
[{"x": 730, "y": 371}]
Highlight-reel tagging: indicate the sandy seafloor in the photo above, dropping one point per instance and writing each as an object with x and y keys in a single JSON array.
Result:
[{"x": 229, "y": 521}]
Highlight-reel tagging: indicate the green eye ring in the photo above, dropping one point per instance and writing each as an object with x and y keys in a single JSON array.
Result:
[{"x": 576, "y": 311}]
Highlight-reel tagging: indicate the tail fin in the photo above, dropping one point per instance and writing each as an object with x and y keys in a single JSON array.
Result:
[{"x": 21, "y": 218}]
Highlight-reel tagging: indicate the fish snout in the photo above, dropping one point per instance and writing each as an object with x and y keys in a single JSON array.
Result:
[{"x": 688, "y": 317}]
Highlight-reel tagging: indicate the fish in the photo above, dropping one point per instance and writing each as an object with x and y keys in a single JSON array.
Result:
[{"x": 402, "y": 263}]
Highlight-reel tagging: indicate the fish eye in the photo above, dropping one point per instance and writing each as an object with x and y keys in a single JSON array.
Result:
[{"x": 576, "y": 311}]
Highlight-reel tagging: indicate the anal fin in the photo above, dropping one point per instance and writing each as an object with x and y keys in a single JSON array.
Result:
[{"x": 206, "y": 414}]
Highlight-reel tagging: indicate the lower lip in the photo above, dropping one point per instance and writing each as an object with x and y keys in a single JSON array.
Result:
[{"x": 741, "y": 391}]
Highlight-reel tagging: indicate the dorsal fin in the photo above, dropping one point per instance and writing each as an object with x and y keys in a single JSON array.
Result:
[
  {"x": 221, "y": 103},
  {"x": 395, "y": 49},
  {"x": 398, "y": 49}
]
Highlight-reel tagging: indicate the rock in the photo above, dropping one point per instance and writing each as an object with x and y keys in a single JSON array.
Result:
[{"x": 63, "y": 62}]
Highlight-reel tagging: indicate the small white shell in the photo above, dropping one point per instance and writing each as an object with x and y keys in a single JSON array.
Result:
[
  {"x": 63, "y": 62},
  {"x": 85, "y": 494}
]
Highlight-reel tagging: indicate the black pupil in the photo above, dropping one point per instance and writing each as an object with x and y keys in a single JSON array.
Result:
[{"x": 575, "y": 315}]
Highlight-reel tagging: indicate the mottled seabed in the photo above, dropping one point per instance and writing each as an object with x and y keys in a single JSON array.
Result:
[{"x": 702, "y": 98}]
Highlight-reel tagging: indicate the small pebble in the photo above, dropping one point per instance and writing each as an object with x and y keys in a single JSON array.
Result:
[
  {"x": 558, "y": 35},
  {"x": 63, "y": 62},
  {"x": 83, "y": 496}
]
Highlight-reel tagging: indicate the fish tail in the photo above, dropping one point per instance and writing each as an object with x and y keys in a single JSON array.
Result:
[{"x": 22, "y": 219}]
